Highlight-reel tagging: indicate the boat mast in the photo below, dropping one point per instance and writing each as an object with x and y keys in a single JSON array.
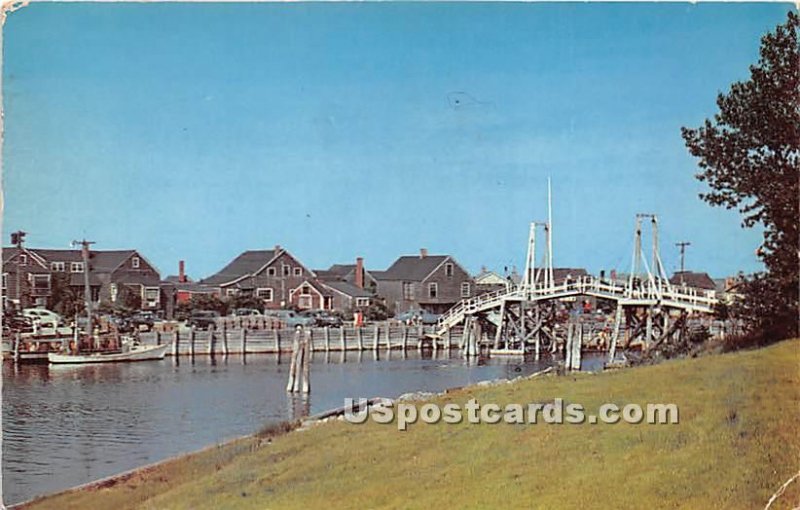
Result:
[{"x": 87, "y": 291}]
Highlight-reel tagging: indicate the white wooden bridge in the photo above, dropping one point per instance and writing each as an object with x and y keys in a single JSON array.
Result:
[{"x": 649, "y": 309}]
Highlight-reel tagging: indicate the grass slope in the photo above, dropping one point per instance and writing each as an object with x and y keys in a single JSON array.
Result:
[{"x": 738, "y": 440}]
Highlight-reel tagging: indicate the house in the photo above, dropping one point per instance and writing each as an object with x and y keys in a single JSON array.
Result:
[
  {"x": 489, "y": 281},
  {"x": 351, "y": 286},
  {"x": 113, "y": 275},
  {"x": 694, "y": 280},
  {"x": 355, "y": 274},
  {"x": 274, "y": 276},
  {"x": 431, "y": 282},
  {"x": 26, "y": 278}
]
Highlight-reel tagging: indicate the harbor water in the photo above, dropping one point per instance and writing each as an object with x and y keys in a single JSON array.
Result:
[{"x": 68, "y": 425}]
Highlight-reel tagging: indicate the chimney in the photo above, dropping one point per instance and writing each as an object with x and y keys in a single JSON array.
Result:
[
  {"x": 277, "y": 247},
  {"x": 360, "y": 272},
  {"x": 181, "y": 271},
  {"x": 423, "y": 252}
]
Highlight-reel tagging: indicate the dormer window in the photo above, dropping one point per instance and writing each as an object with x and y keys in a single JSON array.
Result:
[
  {"x": 23, "y": 259},
  {"x": 76, "y": 267},
  {"x": 135, "y": 262},
  {"x": 58, "y": 267}
]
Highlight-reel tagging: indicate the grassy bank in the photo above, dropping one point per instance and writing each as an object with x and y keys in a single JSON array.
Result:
[{"x": 738, "y": 441}]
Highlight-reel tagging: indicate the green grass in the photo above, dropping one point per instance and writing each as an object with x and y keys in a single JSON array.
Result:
[{"x": 738, "y": 440}]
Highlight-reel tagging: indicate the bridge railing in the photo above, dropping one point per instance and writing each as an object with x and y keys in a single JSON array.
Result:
[{"x": 660, "y": 291}]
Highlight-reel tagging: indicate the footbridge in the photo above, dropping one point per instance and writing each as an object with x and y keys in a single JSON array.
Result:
[{"x": 649, "y": 309}]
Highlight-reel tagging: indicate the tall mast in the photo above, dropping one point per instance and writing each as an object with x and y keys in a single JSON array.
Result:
[
  {"x": 550, "y": 233},
  {"x": 87, "y": 291}
]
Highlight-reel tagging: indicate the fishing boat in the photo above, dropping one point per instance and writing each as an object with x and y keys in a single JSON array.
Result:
[{"x": 130, "y": 352}]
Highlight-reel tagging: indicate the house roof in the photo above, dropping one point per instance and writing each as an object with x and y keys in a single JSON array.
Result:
[
  {"x": 412, "y": 268},
  {"x": 692, "y": 279},
  {"x": 489, "y": 278},
  {"x": 347, "y": 289},
  {"x": 245, "y": 264},
  {"x": 318, "y": 286},
  {"x": 99, "y": 260},
  {"x": 561, "y": 273}
]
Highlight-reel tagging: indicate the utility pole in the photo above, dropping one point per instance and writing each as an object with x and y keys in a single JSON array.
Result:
[
  {"x": 682, "y": 245},
  {"x": 87, "y": 290},
  {"x": 17, "y": 238}
]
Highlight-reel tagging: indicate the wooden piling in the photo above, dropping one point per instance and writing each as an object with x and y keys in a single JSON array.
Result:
[
  {"x": 192, "y": 335},
  {"x": 327, "y": 339},
  {"x": 359, "y": 339},
  {"x": 16, "y": 347},
  {"x": 568, "y": 347},
  {"x": 277, "y": 341},
  {"x": 376, "y": 338},
  {"x": 342, "y": 337},
  {"x": 306, "y": 372},
  {"x": 577, "y": 343},
  {"x": 176, "y": 338},
  {"x": 211, "y": 342},
  {"x": 293, "y": 384},
  {"x": 243, "y": 341},
  {"x": 158, "y": 337},
  {"x": 225, "y": 340},
  {"x": 405, "y": 337}
]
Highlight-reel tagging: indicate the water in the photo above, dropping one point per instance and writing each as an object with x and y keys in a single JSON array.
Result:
[{"x": 68, "y": 425}]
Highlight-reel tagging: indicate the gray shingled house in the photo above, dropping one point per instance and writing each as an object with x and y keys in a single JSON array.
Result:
[{"x": 429, "y": 282}]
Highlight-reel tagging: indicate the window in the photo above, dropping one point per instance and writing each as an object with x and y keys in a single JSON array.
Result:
[
  {"x": 58, "y": 266},
  {"x": 151, "y": 294},
  {"x": 465, "y": 290},
  {"x": 298, "y": 271},
  {"x": 230, "y": 292},
  {"x": 285, "y": 269},
  {"x": 433, "y": 290},
  {"x": 113, "y": 291},
  {"x": 408, "y": 291},
  {"x": 362, "y": 301},
  {"x": 305, "y": 302},
  {"x": 76, "y": 267},
  {"x": 23, "y": 259},
  {"x": 40, "y": 281},
  {"x": 5, "y": 281},
  {"x": 135, "y": 262},
  {"x": 264, "y": 293},
  {"x": 448, "y": 269},
  {"x": 271, "y": 271},
  {"x": 305, "y": 290}
]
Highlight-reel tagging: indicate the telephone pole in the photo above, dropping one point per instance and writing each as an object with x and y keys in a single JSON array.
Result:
[
  {"x": 87, "y": 290},
  {"x": 17, "y": 238},
  {"x": 682, "y": 245}
]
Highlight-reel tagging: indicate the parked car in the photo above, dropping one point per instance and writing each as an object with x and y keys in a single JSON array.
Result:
[
  {"x": 17, "y": 323},
  {"x": 246, "y": 312},
  {"x": 292, "y": 318},
  {"x": 203, "y": 319},
  {"x": 323, "y": 318},
  {"x": 143, "y": 320},
  {"x": 44, "y": 317},
  {"x": 418, "y": 316}
]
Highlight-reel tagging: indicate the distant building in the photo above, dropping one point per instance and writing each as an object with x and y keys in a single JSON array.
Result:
[
  {"x": 351, "y": 286},
  {"x": 694, "y": 280},
  {"x": 113, "y": 275},
  {"x": 430, "y": 282},
  {"x": 489, "y": 281},
  {"x": 270, "y": 275}
]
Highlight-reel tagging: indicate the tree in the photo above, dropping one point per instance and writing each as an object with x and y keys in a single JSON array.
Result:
[{"x": 749, "y": 155}]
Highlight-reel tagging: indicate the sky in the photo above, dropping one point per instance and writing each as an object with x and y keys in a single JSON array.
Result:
[{"x": 198, "y": 131}]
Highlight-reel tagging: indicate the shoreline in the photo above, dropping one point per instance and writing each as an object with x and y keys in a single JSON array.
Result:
[{"x": 283, "y": 427}]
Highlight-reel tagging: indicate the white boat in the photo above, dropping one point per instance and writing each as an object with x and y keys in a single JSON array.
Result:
[{"x": 132, "y": 353}]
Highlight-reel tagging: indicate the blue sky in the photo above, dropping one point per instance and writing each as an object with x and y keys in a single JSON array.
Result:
[{"x": 197, "y": 131}]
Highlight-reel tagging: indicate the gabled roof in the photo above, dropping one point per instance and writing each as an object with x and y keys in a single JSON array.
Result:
[
  {"x": 318, "y": 286},
  {"x": 247, "y": 263},
  {"x": 99, "y": 260},
  {"x": 412, "y": 268},
  {"x": 692, "y": 279},
  {"x": 347, "y": 288}
]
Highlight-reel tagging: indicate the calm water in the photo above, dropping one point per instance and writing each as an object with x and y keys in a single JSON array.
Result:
[{"x": 67, "y": 425}]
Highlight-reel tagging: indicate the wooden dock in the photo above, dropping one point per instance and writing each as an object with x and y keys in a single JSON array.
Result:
[{"x": 242, "y": 340}]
